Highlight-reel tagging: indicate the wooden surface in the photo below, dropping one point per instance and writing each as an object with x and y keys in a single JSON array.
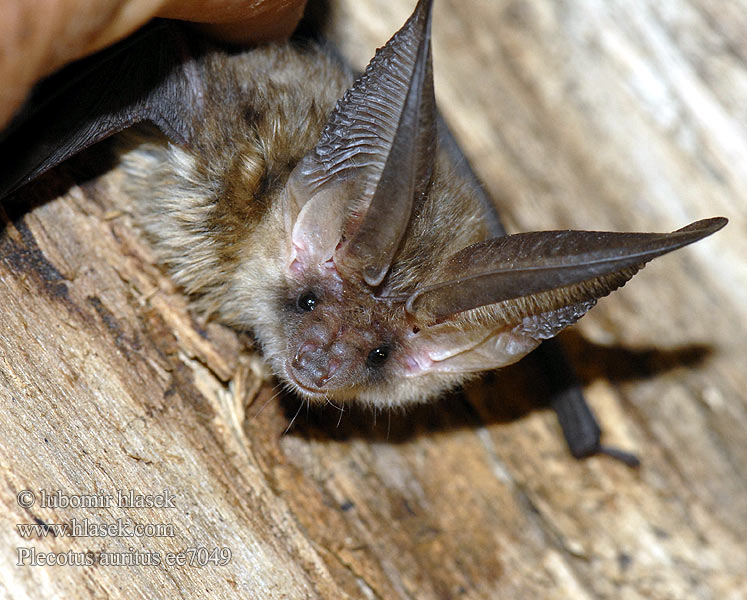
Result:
[{"x": 598, "y": 115}]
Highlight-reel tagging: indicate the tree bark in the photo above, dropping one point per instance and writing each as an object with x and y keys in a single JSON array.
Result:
[{"x": 613, "y": 115}]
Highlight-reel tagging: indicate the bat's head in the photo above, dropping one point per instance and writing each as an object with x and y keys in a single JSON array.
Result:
[{"x": 391, "y": 290}]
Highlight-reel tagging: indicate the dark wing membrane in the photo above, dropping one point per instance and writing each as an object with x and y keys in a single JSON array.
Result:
[{"x": 151, "y": 76}]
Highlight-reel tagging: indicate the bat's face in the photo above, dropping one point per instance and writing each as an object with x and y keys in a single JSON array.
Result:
[
  {"x": 330, "y": 334},
  {"x": 341, "y": 343},
  {"x": 338, "y": 341}
]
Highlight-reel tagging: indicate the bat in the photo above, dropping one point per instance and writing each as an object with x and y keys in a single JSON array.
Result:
[{"x": 330, "y": 215}]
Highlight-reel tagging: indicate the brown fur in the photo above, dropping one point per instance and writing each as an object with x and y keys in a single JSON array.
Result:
[{"x": 214, "y": 213}]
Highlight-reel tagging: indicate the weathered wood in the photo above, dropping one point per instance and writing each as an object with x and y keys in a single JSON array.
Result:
[{"x": 608, "y": 115}]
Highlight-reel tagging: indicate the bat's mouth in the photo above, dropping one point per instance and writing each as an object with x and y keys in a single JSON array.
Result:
[
  {"x": 309, "y": 392},
  {"x": 312, "y": 393}
]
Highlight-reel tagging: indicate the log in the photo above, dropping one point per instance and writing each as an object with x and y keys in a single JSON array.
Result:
[{"x": 621, "y": 116}]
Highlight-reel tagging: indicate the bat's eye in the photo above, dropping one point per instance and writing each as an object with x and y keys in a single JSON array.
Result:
[
  {"x": 307, "y": 301},
  {"x": 377, "y": 356}
]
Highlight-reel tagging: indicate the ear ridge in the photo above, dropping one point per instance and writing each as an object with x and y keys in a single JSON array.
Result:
[
  {"x": 533, "y": 272},
  {"x": 369, "y": 112},
  {"x": 551, "y": 303},
  {"x": 375, "y": 238},
  {"x": 380, "y": 140}
]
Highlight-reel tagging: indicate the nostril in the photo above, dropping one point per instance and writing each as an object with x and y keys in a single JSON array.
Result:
[
  {"x": 311, "y": 363},
  {"x": 320, "y": 377},
  {"x": 333, "y": 366},
  {"x": 317, "y": 371},
  {"x": 305, "y": 354}
]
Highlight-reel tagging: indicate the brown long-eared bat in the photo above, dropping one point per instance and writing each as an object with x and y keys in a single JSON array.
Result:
[{"x": 328, "y": 214}]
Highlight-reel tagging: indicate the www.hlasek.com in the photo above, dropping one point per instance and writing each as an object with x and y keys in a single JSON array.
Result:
[{"x": 86, "y": 528}]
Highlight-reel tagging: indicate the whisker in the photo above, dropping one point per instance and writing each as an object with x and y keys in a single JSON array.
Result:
[
  {"x": 287, "y": 429},
  {"x": 261, "y": 408},
  {"x": 328, "y": 401}
]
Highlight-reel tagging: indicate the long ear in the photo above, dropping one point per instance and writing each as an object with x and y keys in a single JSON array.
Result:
[
  {"x": 531, "y": 286},
  {"x": 530, "y": 273},
  {"x": 373, "y": 161}
]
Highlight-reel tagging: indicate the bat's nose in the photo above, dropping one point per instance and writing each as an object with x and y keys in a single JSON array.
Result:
[{"x": 315, "y": 364}]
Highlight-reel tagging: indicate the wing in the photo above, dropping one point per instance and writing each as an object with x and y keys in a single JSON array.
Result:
[{"x": 151, "y": 76}]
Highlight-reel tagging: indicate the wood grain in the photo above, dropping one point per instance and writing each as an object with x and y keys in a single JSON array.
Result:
[{"x": 595, "y": 115}]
